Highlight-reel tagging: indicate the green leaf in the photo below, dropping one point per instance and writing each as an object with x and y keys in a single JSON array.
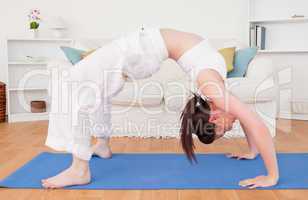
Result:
[{"x": 34, "y": 25}]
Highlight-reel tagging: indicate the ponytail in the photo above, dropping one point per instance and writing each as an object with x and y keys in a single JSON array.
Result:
[{"x": 195, "y": 120}]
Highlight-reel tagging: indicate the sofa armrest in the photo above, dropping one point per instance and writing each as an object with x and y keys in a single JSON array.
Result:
[
  {"x": 252, "y": 90},
  {"x": 260, "y": 68}
]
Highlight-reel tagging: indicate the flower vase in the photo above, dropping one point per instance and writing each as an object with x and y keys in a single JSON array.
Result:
[{"x": 34, "y": 33}]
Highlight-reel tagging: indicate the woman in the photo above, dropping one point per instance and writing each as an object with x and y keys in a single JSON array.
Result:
[{"x": 138, "y": 55}]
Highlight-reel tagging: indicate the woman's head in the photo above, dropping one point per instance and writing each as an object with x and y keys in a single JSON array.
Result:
[{"x": 196, "y": 120}]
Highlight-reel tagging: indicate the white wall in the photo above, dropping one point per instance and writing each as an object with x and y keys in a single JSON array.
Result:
[{"x": 106, "y": 18}]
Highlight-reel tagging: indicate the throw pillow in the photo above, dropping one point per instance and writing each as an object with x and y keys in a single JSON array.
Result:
[
  {"x": 85, "y": 54},
  {"x": 72, "y": 54},
  {"x": 75, "y": 55},
  {"x": 242, "y": 59},
  {"x": 228, "y": 54}
]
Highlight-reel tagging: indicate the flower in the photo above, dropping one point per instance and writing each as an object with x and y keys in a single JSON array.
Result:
[{"x": 34, "y": 18}]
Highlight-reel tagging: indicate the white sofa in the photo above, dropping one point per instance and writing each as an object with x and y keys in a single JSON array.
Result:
[{"x": 151, "y": 107}]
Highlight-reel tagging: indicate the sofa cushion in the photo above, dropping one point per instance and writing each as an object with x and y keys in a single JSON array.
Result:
[
  {"x": 177, "y": 92},
  {"x": 146, "y": 93}
]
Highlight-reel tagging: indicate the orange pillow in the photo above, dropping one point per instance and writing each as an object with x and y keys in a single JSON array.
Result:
[{"x": 85, "y": 54}]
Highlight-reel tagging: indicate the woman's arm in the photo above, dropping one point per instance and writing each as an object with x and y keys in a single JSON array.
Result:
[
  {"x": 211, "y": 84},
  {"x": 251, "y": 143},
  {"x": 253, "y": 151}
]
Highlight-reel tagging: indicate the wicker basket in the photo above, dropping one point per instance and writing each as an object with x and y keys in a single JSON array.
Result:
[
  {"x": 2, "y": 102},
  {"x": 38, "y": 106}
]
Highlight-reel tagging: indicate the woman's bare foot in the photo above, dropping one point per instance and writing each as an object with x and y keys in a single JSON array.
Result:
[
  {"x": 77, "y": 174},
  {"x": 101, "y": 148}
]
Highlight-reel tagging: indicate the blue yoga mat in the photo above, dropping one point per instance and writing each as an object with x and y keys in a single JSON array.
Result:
[{"x": 162, "y": 171}]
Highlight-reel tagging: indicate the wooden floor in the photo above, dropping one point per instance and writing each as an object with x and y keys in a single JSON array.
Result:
[{"x": 19, "y": 142}]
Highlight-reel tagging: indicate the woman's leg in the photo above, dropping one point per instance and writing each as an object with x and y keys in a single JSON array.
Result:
[
  {"x": 101, "y": 148},
  {"x": 79, "y": 144},
  {"x": 101, "y": 129},
  {"x": 92, "y": 80}
]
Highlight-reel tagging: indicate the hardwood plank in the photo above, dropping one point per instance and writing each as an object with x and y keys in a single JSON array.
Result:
[
  {"x": 190, "y": 194},
  {"x": 219, "y": 195},
  {"x": 291, "y": 194},
  {"x": 256, "y": 194}
]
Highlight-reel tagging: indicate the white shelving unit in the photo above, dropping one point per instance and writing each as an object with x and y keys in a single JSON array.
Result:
[
  {"x": 286, "y": 43},
  {"x": 279, "y": 31},
  {"x": 25, "y": 89},
  {"x": 39, "y": 39},
  {"x": 28, "y": 79},
  {"x": 286, "y": 20},
  {"x": 26, "y": 63}
]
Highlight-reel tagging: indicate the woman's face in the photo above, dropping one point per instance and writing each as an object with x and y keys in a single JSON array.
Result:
[{"x": 223, "y": 120}]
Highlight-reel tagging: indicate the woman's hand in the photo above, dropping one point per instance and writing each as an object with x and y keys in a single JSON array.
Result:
[
  {"x": 259, "y": 181},
  {"x": 245, "y": 156}
]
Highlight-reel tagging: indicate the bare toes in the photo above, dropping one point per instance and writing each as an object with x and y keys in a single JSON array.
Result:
[{"x": 45, "y": 185}]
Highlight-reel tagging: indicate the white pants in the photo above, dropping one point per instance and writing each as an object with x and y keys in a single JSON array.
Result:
[
  {"x": 83, "y": 108},
  {"x": 88, "y": 87}
]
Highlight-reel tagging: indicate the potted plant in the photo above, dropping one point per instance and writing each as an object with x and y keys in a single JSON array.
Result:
[{"x": 34, "y": 22}]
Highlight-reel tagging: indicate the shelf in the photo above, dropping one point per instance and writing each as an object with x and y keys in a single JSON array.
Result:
[
  {"x": 283, "y": 51},
  {"x": 25, "y": 55},
  {"x": 20, "y": 117},
  {"x": 27, "y": 63},
  {"x": 24, "y": 89},
  {"x": 40, "y": 39},
  {"x": 287, "y": 20}
]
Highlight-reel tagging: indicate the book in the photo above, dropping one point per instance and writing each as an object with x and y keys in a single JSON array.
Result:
[
  {"x": 263, "y": 31},
  {"x": 260, "y": 37},
  {"x": 252, "y": 37}
]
